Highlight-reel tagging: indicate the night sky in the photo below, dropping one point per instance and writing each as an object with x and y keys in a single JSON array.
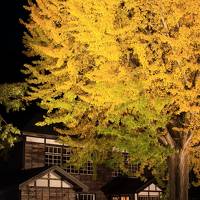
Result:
[
  {"x": 12, "y": 58},
  {"x": 11, "y": 41}
]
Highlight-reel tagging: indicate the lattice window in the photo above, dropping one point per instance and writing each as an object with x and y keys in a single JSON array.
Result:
[
  {"x": 60, "y": 155},
  {"x": 148, "y": 198},
  {"x": 120, "y": 197},
  {"x": 116, "y": 172},
  {"x": 53, "y": 155},
  {"x": 88, "y": 169},
  {"x": 67, "y": 152},
  {"x": 132, "y": 168},
  {"x": 36, "y": 193},
  {"x": 85, "y": 196}
]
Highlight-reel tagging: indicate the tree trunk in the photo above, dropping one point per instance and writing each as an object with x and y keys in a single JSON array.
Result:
[{"x": 178, "y": 176}]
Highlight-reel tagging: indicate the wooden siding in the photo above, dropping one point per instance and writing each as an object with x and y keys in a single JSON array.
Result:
[
  {"x": 34, "y": 155},
  {"x": 43, "y": 193}
]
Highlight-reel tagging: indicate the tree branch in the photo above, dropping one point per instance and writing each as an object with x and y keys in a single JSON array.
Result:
[
  {"x": 164, "y": 24},
  {"x": 163, "y": 140},
  {"x": 169, "y": 139},
  {"x": 187, "y": 140}
]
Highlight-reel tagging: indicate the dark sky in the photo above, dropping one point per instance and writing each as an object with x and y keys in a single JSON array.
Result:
[
  {"x": 11, "y": 56},
  {"x": 11, "y": 40}
]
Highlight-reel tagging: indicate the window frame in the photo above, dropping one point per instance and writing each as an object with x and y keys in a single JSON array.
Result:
[
  {"x": 132, "y": 168},
  {"x": 92, "y": 195},
  {"x": 121, "y": 197},
  {"x": 64, "y": 157}
]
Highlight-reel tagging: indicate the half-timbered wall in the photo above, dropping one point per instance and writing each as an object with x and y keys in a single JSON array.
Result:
[
  {"x": 48, "y": 187},
  {"x": 151, "y": 192},
  {"x": 39, "y": 152},
  {"x": 44, "y": 193}
]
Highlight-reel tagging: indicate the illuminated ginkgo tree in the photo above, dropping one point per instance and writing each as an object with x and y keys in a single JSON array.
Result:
[{"x": 120, "y": 75}]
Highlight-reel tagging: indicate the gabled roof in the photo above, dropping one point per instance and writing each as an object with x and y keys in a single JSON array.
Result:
[
  {"x": 125, "y": 185},
  {"x": 23, "y": 177},
  {"x": 77, "y": 185},
  {"x": 146, "y": 184}
]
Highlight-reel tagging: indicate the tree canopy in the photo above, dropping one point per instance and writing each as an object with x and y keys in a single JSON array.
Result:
[
  {"x": 118, "y": 76},
  {"x": 11, "y": 98}
]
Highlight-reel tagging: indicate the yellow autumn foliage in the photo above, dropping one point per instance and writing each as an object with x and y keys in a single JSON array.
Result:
[{"x": 107, "y": 54}]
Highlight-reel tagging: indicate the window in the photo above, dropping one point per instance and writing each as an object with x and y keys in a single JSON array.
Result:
[
  {"x": 66, "y": 157},
  {"x": 116, "y": 172},
  {"x": 85, "y": 196},
  {"x": 151, "y": 192},
  {"x": 120, "y": 198},
  {"x": 53, "y": 155},
  {"x": 132, "y": 169},
  {"x": 148, "y": 198},
  {"x": 60, "y": 155},
  {"x": 88, "y": 169},
  {"x": 42, "y": 193},
  {"x": 124, "y": 197},
  {"x": 115, "y": 198}
]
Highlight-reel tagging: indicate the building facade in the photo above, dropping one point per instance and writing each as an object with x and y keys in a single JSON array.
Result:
[
  {"x": 40, "y": 150},
  {"x": 43, "y": 150},
  {"x": 42, "y": 174}
]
